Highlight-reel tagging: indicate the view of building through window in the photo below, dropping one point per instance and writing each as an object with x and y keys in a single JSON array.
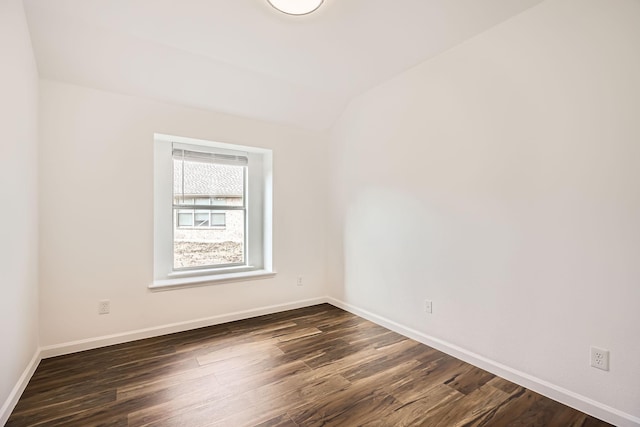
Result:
[{"x": 209, "y": 212}]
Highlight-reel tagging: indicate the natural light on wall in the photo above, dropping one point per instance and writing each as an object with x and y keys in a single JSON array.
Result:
[{"x": 296, "y": 7}]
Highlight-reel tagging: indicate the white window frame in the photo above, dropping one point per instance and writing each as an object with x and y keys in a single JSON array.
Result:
[{"x": 258, "y": 249}]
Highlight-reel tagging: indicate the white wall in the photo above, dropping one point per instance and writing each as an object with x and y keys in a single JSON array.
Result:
[
  {"x": 502, "y": 181},
  {"x": 96, "y": 178},
  {"x": 18, "y": 199}
]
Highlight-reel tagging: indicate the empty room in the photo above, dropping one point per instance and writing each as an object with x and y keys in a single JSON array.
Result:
[{"x": 320, "y": 213}]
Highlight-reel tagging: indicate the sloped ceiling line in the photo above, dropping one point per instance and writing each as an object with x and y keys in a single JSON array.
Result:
[{"x": 242, "y": 57}]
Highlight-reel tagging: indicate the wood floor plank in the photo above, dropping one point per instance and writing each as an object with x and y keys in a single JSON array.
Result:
[
  {"x": 354, "y": 413},
  {"x": 386, "y": 367},
  {"x": 419, "y": 384},
  {"x": 136, "y": 387},
  {"x": 189, "y": 414},
  {"x": 330, "y": 410},
  {"x": 413, "y": 413},
  {"x": 279, "y": 421},
  {"x": 469, "y": 380},
  {"x": 364, "y": 356},
  {"x": 313, "y": 366},
  {"x": 300, "y": 333},
  {"x": 112, "y": 375},
  {"x": 466, "y": 410},
  {"x": 241, "y": 380},
  {"x": 249, "y": 365},
  {"x": 504, "y": 385},
  {"x": 248, "y": 351},
  {"x": 162, "y": 400},
  {"x": 48, "y": 413},
  {"x": 284, "y": 396},
  {"x": 511, "y": 412}
]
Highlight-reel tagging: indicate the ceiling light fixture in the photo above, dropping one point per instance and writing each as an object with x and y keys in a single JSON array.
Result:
[{"x": 296, "y": 7}]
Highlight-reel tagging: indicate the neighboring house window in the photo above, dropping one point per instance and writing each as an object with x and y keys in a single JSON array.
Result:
[
  {"x": 200, "y": 219},
  {"x": 217, "y": 222}
]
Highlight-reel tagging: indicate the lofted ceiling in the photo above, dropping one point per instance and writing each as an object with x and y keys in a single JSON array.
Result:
[{"x": 242, "y": 56}]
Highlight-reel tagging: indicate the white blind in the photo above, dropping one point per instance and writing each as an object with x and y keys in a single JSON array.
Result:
[{"x": 207, "y": 157}]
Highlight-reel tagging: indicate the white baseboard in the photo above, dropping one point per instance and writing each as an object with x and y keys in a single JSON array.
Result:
[
  {"x": 15, "y": 394},
  {"x": 562, "y": 395},
  {"x": 91, "y": 343}
]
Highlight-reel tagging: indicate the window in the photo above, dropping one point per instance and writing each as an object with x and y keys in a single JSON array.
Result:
[
  {"x": 208, "y": 186},
  {"x": 212, "y": 216}
]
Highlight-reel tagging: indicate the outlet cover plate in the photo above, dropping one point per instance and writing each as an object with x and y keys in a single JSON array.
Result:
[
  {"x": 104, "y": 306},
  {"x": 600, "y": 358},
  {"x": 428, "y": 306}
]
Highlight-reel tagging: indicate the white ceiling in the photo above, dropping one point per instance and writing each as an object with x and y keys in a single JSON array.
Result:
[{"x": 242, "y": 56}]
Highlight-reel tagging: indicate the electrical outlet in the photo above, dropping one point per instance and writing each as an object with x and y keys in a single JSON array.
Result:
[
  {"x": 104, "y": 306},
  {"x": 299, "y": 281},
  {"x": 600, "y": 358},
  {"x": 428, "y": 306}
]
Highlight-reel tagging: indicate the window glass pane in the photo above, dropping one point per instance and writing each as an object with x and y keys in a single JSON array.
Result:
[
  {"x": 202, "y": 218},
  {"x": 218, "y": 219},
  {"x": 185, "y": 219},
  {"x": 210, "y": 247},
  {"x": 233, "y": 201},
  {"x": 204, "y": 183},
  {"x": 222, "y": 201},
  {"x": 179, "y": 200}
]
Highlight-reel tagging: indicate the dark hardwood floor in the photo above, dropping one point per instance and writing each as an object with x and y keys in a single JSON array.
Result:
[{"x": 317, "y": 366}]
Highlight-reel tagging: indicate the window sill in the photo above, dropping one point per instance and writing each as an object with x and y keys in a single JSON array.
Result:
[{"x": 188, "y": 282}]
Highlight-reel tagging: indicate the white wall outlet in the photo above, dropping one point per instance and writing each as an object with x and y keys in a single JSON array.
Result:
[
  {"x": 104, "y": 306},
  {"x": 299, "y": 281},
  {"x": 600, "y": 358},
  {"x": 428, "y": 306}
]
